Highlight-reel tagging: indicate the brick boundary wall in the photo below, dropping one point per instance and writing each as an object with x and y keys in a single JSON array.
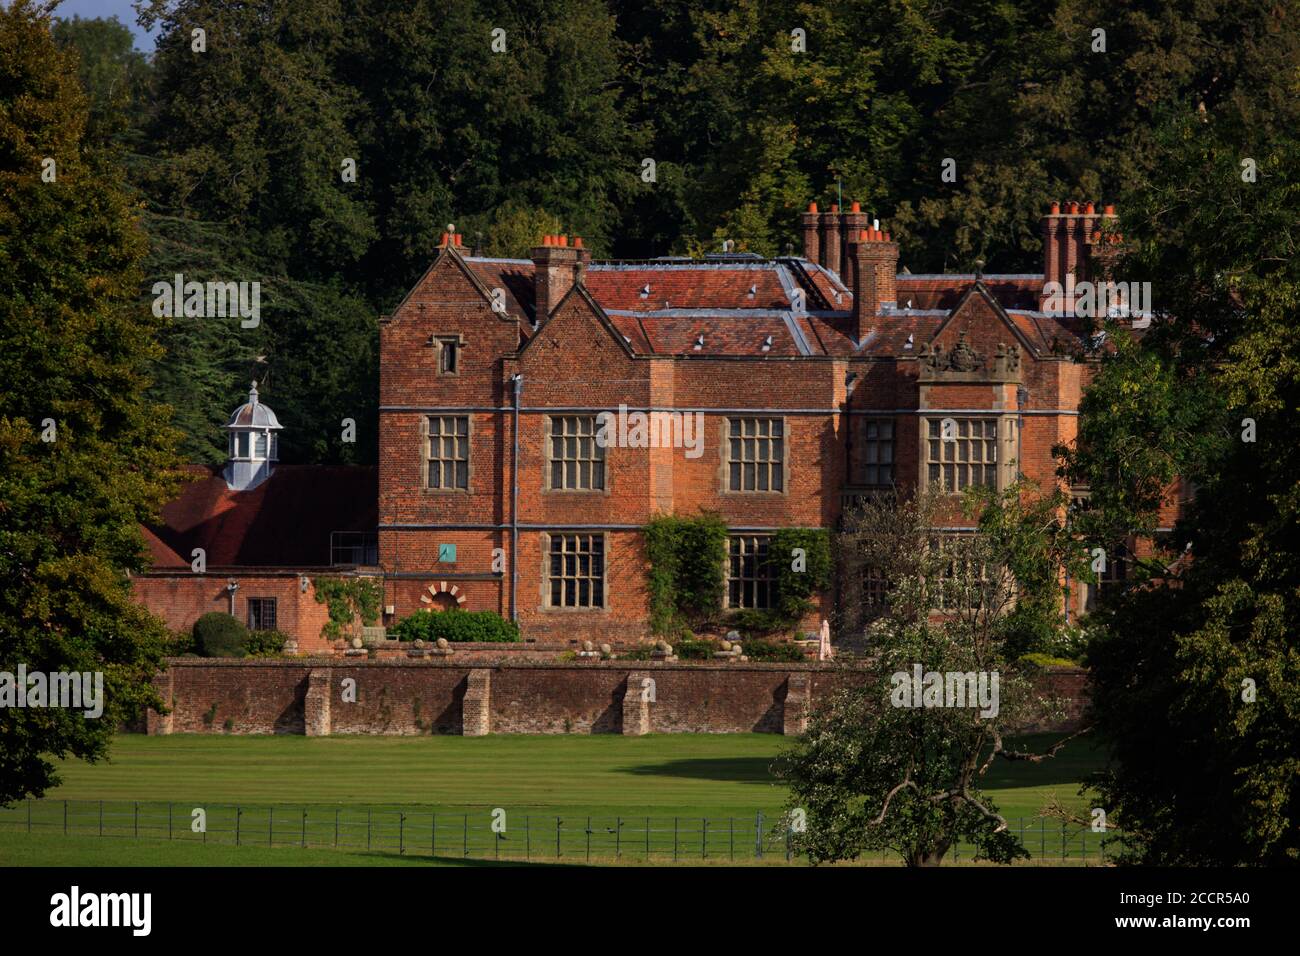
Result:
[{"x": 312, "y": 696}]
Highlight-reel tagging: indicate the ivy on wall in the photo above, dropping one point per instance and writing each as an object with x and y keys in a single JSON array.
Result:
[
  {"x": 687, "y": 570},
  {"x": 800, "y": 562},
  {"x": 687, "y": 579},
  {"x": 347, "y": 600}
]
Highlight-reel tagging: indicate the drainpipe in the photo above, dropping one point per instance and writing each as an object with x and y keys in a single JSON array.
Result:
[
  {"x": 231, "y": 588},
  {"x": 518, "y": 381},
  {"x": 1022, "y": 396}
]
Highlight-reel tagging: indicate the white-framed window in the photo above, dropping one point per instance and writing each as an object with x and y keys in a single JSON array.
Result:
[
  {"x": 964, "y": 455},
  {"x": 576, "y": 459},
  {"x": 873, "y": 451},
  {"x": 575, "y": 566},
  {"x": 750, "y": 582},
  {"x": 755, "y": 454},
  {"x": 447, "y": 452}
]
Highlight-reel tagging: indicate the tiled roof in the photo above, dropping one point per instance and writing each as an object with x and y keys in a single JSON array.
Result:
[
  {"x": 661, "y": 307},
  {"x": 285, "y": 521}
]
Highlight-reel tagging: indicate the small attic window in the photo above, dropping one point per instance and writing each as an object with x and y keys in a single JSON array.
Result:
[
  {"x": 767, "y": 344},
  {"x": 645, "y": 290},
  {"x": 448, "y": 354},
  {"x": 699, "y": 342}
]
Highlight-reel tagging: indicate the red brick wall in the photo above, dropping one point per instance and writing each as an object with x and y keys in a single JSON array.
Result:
[
  {"x": 416, "y": 697},
  {"x": 181, "y": 599}
]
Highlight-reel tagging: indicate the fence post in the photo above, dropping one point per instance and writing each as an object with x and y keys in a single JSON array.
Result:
[
  {"x": 758, "y": 835},
  {"x": 239, "y": 813},
  {"x": 1042, "y": 838},
  {"x": 588, "y": 839},
  {"x": 557, "y": 838},
  {"x": 304, "y": 828},
  {"x": 704, "y": 838},
  {"x": 367, "y": 829},
  {"x": 465, "y": 836},
  {"x": 270, "y": 827},
  {"x": 618, "y": 837},
  {"x": 401, "y": 833}
]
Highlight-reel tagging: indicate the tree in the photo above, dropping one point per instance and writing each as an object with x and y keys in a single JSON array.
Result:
[
  {"x": 1195, "y": 669},
  {"x": 84, "y": 458},
  {"x": 896, "y": 763}
]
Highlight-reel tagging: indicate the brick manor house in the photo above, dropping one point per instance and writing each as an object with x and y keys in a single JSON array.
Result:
[{"x": 818, "y": 377}]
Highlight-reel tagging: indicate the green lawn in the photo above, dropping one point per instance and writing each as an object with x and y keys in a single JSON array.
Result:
[{"x": 433, "y": 796}]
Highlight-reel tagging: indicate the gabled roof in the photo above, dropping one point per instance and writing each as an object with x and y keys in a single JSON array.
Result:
[
  {"x": 286, "y": 521},
  {"x": 663, "y": 306}
]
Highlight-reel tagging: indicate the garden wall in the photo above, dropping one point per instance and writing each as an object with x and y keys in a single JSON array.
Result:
[{"x": 321, "y": 696}]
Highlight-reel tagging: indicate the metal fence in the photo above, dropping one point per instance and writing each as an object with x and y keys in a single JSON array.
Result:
[{"x": 488, "y": 834}]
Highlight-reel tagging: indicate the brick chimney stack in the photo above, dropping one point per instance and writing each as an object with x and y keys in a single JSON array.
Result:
[
  {"x": 1069, "y": 233},
  {"x": 875, "y": 277},
  {"x": 831, "y": 247},
  {"x": 851, "y": 223},
  {"x": 556, "y": 267},
  {"x": 811, "y": 234}
]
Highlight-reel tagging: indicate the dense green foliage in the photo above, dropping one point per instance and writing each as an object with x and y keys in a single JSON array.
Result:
[
  {"x": 84, "y": 458},
  {"x": 799, "y": 560},
  {"x": 759, "y": 649},
  {"x": 456, "y": 626},
  {"x": 265, "y": 643},
  {"x": 1195, "y": 666},
  {"x": 217, "y": 634},
  {"x": 238, "y": 151}
]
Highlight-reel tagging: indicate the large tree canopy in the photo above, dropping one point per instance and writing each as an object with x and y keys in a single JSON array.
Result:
[
  {"x": 1196, "y": 669},
  {"x": 84, "y": 457}
]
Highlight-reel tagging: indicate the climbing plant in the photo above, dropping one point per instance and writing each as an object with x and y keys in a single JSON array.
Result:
[
  {"x": 347, "y": 600},
  {"x": 687, "y": 569},
  {"x": 800, "y": 563}
]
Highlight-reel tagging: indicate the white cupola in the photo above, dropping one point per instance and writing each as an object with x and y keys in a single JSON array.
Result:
[{"x": 254, "y": 445}]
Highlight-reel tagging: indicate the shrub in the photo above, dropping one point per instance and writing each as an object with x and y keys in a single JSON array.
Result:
[
  {"x": 265, "y": 643},
  {"x": 220, "y": 635},
  {"x": 641, "y": 652},
  {"x": 759, "y": 650},
  {"x": 750, "y": 621},
  {"x": 1046, "y": 660},
  {"x": 694, "y": 649},
  {"x": 458, "y": 627}
]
